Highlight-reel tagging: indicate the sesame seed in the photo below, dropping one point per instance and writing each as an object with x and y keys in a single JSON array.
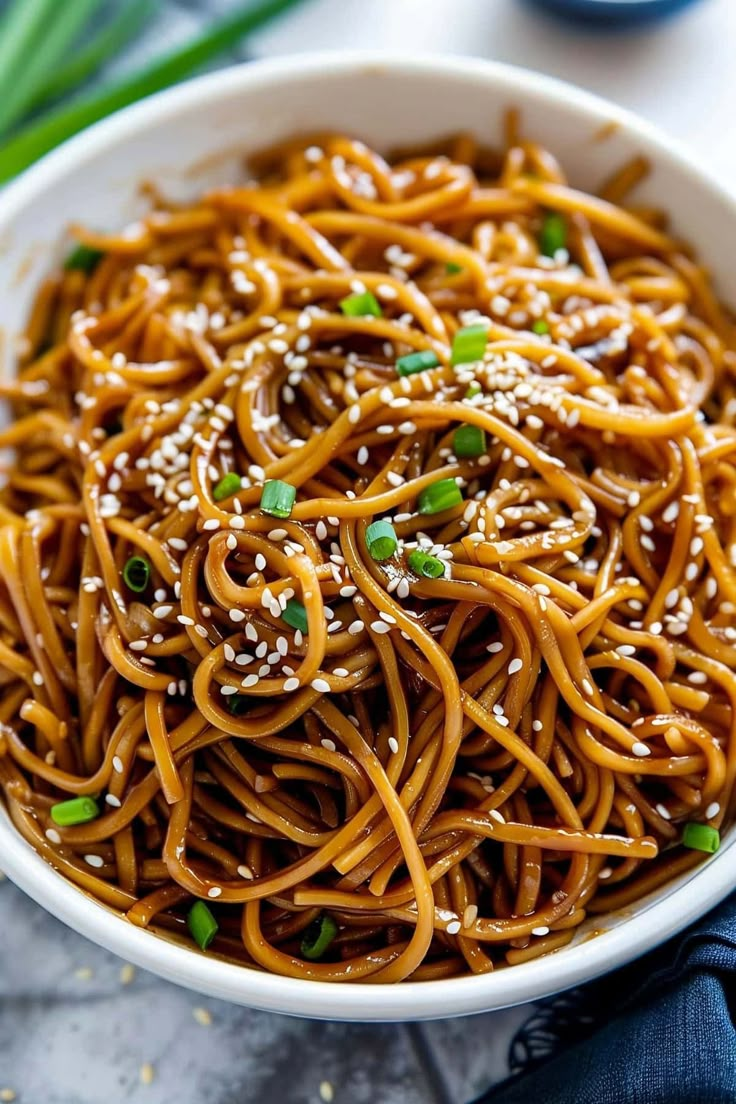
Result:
[
  {"x": 470, "y": 915},
  {"x": 697, "y": 678},
  {"x": 356, "y": 627},
  {"x": 237, "y": 615},
  {"x": 379, "y": 627},
  {"x": 514, "y": 666},
  {"x": 94, "y": 860},
  {"x": 117, "y": 764},
  {"x": 587, "y": 687},
  {"x": 541, "y": 930},
  {"x": 52, "y": 835},
  {"x": 640, "y": 749},
  {"x": 712, "y": 811},
  {"x": 214, "y": 891},
  {"x": 236, "y": 521},
  {"x": 663, "y": 811},
  {"x": 112, "y": 800},
  {"x": 328, "y": 745},
  {"x": 495, "y": 815},
  {"x": 162, "y": 611},
  {"x": 321, "y": 685},
  {"x": 291, "y": 684},
  {"x": 497, "y": 646},
  {"x": 249, "y": 680},
  {"x": 393, "y": 743},
  {"x": 453, "y": 927},
  {"x": 537, "y": 726},
  {"x": 245, "y": 872}
]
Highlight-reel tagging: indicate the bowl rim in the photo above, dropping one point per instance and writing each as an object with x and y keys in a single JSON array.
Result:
[{"x": 215, "y": 977}]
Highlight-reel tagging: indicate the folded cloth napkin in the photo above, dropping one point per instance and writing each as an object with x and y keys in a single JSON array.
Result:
[{"x": 660, "y": 1031}]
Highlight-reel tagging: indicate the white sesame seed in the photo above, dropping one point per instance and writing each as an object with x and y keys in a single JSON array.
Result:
[
  {"x": 249, "y": 680},
  {"x": 712, "y": 811},
  {"x": 328, "y": 745},
  {"x": 393, "y": 743},
  {"x": 237, "y": 615},
  {"x": 379, "y": 627},
  {"x": 291, "y": 684},
  {"x": 453, "y": 927},
  {"x": 587, "y": 687},
  {"x": 112, "y": 800},
  {"x": 497, "y": 646},
  {"x": 117, "y": 764},
  {"x": 514, "y": 666},
  {"x": 537, "y": 725},
  {"x": 214, "y": 891},
  {"x": 94, "y": 860},
  {"x": 640, "y": 749},
  {"x": 321, "y": 685},
  {"x": 52, "y": 835},
  {"x": 245, "y": 872},
  {"x": 626, "y": 649},
  {"x": 541, "y": 930},
  {"x": 698, "y": 678}
]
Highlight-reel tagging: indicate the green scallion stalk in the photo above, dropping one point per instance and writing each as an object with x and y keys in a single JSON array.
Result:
[
  {"x": 553, "y": 234},
  {"x": 381, "y": 540},
  {"x": 473, "y": 389},
  {"x": 539, "y": 326},
  {"x": 84, "y": 257},
  {"x": 61, "y": 27},
  {"x": 439, "y": 496},
  {"x": 124, "y": 24},
  {"x": 229, "y": 485},
  {"x": 452, "y": 269},
  {"x": 202, "y": 925},
  {"x": 278, "y": 498},
  {"x": 412, "y": 363},
  {"x": 137, "y": 573},
  {"x": 295, "y": 615},
  {"x": 360, "y": 305},
  {"x": 469, "y": 343},
  {"x": 23, "y": 24},
  {"x": 318, "y": 937},
  {"x": 77, "y": 810},
  {"x": 701, "y": 837},
  {"x": 36, "y": 139},
  {"x": 469, "y": 441},
  {"x": 429, "y": 567}
]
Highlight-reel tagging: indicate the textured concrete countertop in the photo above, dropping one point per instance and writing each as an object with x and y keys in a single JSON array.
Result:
[{"x": 78, "y": 1026}]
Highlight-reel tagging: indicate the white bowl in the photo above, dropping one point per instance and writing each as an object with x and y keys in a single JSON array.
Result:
[{"x": 194, "y": 136}]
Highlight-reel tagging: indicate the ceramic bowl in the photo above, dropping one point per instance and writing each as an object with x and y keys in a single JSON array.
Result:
[{"x": 195, "y": 136}]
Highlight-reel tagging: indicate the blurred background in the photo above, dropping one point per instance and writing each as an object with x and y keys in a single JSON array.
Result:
[{"x": 76, "y": 1024}]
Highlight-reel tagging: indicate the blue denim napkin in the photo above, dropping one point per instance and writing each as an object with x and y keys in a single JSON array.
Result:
[{"x": 660, "y": 1031}]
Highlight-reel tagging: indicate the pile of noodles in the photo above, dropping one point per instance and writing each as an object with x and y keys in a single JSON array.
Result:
[{"x": 458, "y": 770}]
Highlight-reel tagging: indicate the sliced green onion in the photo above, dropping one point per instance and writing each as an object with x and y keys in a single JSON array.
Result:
[
  {"x": 416, "y": 362},
  {"x": 84, "y": 257},
  {"x": 553, "y": 234},
  {"x": 229, "y": 485},
  {"x": 381, "y": 539},
  {"x": 539, "y": 326},
  {"x": 439, "y": 496},
  {"x": 469, "y": 441},
  {"x": 278, "y": 498},
  {"x": 452, "y": 269},
  {"x": 701, "y": 837},
  {"x": 473, "y": 390},
  {"x": 295, "y": 615},
  {"x": 77, "y": 810},
  {"x": 421, "y": 563},
  {"x": 362, "y": 304},
  {"x": 469, "y": 344},
  {"x": 238, "y": 704},
  {"x": 318, "y": 936},
  {"x": 137, "y": 574},
  {"x": 202, "y": 925},
  {"x": 36, "y": 139}
]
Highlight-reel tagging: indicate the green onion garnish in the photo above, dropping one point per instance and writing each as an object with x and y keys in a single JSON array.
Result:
[
  {"x": 238, "y": 704},
  {"x": 553, "y": 234},
  {"x": 452, "y": 269},
  {"x": 84, "y": 258},
  {"x": 539, "y": 326},
  {"x": 295, "y": 615},
  {"x": 137, "y": 573},
  {"x": 360, "y": 305},
  {"x": 381, "y": 540},
  {"x": 416, "y": 362},
  {"x": 421, "y": 563},
  {"x": 278, "y": 498},
  {"x": 318, "y": 937},
  {"x": 469, "y": 441},
  {"x": 77, "y": 810},
  {"x": 202, "y": 925},
  {"x": 229, "y": 485},
  {"x": 473, "y": 390},
  {"x": 469, "y": 344},
  {"x": 701, "y": 837},
  {"x": 439, "y": 496}
]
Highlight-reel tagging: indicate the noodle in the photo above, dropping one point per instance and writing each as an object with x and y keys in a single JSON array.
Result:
[{"x": 442, "y": 771}]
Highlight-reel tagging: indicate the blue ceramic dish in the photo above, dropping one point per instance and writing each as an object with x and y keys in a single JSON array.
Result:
[{"x": 614, "y": 11}]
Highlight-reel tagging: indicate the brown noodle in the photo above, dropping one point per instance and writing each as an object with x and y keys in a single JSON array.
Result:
[{"x": 459, "y": 769}]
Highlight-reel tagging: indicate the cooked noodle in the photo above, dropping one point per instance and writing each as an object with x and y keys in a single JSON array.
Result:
[{"x": 456, "y": 770}]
